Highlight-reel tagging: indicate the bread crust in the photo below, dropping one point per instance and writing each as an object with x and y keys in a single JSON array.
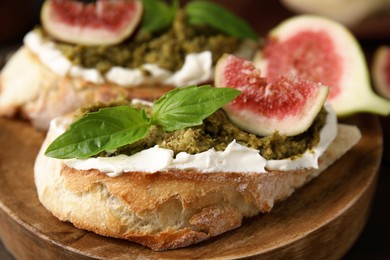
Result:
[
  {"x": 29, "y": 89},
  {"x": 170, "y": 209}
]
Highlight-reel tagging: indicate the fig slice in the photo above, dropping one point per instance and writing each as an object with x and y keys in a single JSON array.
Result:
[
  {"x": 381, "y": 71},
  {"x": 288, "y": 105},
  {"x": 102, "y": 22},
  {"x": 322, "y": 50}
]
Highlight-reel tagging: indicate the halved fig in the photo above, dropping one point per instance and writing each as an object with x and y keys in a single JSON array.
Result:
[
  {"x": 101, "y": 22},
  {"x": 322, "y": 50},
  {"x": 381, "y": 71},
  {"x": 288, "y": 105}
]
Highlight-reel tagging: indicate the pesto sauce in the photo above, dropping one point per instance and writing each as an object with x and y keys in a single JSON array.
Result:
[
  {"x": 167, "y": 49},
  {"x": 217, "y": 132}
]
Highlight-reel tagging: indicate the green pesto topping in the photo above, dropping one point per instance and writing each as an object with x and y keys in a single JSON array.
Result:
[
  {"x": 167, "y": 49},
  {"x": 217, "y": 132}
]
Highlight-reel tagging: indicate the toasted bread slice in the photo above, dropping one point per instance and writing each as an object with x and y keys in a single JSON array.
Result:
[{"x": 170, "y": 209}]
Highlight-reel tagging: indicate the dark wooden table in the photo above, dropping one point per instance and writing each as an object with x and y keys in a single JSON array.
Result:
[{"x": 374, "y": 241}]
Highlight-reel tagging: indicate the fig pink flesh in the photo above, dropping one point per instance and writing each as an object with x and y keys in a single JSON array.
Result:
[
  {"x": 240, "y": 72},
  {"x": 280, "y": 98},
  {"x": 309, "y": 55},
  {"x": 110, "y": 15}
]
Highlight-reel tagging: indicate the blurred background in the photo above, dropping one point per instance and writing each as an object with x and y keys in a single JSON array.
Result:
[
  {"x": 368, "y": 20},
  {"x": 17, "y": 17}
]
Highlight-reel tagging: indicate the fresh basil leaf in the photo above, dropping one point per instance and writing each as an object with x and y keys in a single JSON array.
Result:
[
  {"x": 201, "y": 12},
  {"x": 157, "y": 15},
  {"x": 186, "y": 107},
  {"x": 114, "y": 127},
  {"x": 107, "y": 129}
]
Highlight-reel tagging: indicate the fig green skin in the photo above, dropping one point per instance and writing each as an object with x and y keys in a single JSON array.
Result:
[
  {"x": 90, "y": 35},
  {"x": 381, "y": 71},
  {"x": 356, "y": 94}
]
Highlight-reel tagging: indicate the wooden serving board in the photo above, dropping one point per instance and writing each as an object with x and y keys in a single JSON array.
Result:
[{"x": 320, "y": 221}]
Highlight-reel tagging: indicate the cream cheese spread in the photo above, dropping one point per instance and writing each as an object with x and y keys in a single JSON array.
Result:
[
  {"x": 235, "y": 158},
  {"x": 197, "y": 67}
]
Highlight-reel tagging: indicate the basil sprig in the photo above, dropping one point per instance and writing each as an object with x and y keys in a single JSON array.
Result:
[
  {"x": 113, "y": 127},
  {"x": 159, "y": 15},
  {"x": 179, "y": 109}
]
